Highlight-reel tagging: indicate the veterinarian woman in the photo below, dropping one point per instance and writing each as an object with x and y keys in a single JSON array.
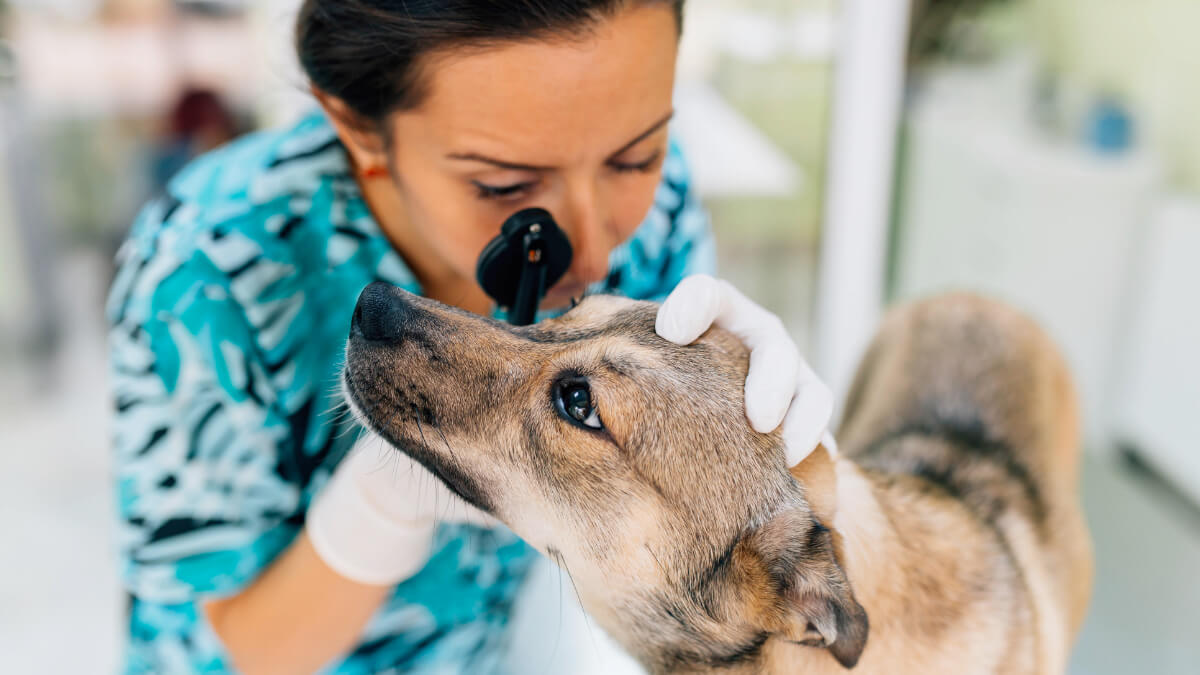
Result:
[{"x": 246, "y": 542}]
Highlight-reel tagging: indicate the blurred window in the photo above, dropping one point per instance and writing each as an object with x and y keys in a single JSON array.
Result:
[{"x": 752, "y": 113}]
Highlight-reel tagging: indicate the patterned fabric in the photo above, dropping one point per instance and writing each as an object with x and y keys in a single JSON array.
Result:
[{"x": 228, "y": 319}]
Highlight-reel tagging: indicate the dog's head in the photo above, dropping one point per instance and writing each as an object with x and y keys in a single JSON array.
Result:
[{"x": 626, "y": 459}]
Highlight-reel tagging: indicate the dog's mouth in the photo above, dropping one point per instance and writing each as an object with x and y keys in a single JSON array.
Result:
[{"x": 452, "y": 475}]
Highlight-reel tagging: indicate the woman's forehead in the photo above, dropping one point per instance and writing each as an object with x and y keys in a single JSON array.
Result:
[{"x": 552, "y": 99}]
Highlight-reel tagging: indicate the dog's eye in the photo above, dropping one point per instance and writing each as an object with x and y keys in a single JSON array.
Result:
[{"x": 574, "y": 401}]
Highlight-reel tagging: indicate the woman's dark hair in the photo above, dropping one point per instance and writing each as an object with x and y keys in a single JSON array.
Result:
[{"x": 368, "y": 52}]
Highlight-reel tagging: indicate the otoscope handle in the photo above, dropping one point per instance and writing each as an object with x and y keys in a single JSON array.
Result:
[{"x": 532, "y": 286}]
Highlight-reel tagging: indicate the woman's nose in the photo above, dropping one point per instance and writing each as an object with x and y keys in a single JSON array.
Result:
[
  {"x": 591, "y": 264},
  {"x": 591, "y": 239}
]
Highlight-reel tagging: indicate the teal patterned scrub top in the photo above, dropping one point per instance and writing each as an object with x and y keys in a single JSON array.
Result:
[{"x": 228, "y": 319}]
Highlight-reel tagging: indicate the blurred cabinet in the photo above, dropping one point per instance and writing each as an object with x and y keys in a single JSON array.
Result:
[
  {"x": 988, "y": 204},
  {"x": 1158, "y": 400}
]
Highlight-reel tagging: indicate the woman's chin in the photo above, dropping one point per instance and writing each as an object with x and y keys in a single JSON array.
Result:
[{"x": 560, "y": 298}]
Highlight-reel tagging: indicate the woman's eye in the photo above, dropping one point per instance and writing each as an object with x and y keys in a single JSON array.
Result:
[
  {"x": 575, "y": 402},
  {"x": 501, "y": 191},
  {"x": 644, "y": 166}
]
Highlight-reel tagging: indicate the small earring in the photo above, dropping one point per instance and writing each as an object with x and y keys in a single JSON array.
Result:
[{"x": 374, "y": 172}]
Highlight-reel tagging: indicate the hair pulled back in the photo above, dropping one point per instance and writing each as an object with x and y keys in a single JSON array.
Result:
[{"x": 369, "y": 53}]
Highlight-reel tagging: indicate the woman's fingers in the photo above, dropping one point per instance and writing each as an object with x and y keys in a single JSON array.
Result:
[
  {"x": 689, "y": 310},
  {"x": 780, "y": 386},
  {"x": 807, "y": 421},
  {"x": 772, "y": 380}
]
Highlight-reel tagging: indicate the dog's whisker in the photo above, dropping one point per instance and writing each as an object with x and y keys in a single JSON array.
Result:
[
  {"x": 420, "y": 427},
  {"x": 446, "y": 442},
  {"x": 562, "y": 561},
  {"x": 421, "y": 430},
  {"x": 348, "y": 429},
  {"x": 383, "y": 448},
  {"x": 340, "y": 419},
  {"x": 388, "y": 458},
  {"x": 558, "y": 635},
  {"x": 336, "y": 409}
]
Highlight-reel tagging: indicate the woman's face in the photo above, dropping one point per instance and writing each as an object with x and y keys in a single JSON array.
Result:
[{"x": 576, "y": 126}]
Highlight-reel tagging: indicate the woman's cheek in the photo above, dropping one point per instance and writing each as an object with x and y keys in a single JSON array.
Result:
[
  {"x": 474, "y": 239},
  {"x": 635, "y": 198},
  {"x": 459, "y": 231}
]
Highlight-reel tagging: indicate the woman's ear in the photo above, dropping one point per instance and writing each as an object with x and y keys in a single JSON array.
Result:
[{"x": 363, "y": 138}]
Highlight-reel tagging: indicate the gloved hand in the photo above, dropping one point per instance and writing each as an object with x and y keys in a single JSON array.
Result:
[
  {"x": 780, "y": 385},
  {"x": 374, "y": 521}
]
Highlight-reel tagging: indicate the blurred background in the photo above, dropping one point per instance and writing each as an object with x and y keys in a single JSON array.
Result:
[{"x": 852, "y": 153}]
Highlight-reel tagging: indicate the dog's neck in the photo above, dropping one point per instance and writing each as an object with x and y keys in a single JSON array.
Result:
[{"x": 868, "y": 537}]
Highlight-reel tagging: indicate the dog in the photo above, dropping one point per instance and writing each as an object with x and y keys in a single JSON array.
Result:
[{"x": 945, "y": 537}]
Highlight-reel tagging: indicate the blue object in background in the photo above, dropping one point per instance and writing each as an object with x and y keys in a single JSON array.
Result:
[{"x": 1109, "y": 127}]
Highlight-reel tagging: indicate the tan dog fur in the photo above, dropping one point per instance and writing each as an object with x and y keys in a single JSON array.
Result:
[{"x": 947, "y": 538}]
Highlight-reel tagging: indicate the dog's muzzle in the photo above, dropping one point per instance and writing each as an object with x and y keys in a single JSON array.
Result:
[{"x": 382, "y": 313}]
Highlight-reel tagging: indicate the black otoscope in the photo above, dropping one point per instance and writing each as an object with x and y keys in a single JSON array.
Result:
[{"x": 516, "y": 268}]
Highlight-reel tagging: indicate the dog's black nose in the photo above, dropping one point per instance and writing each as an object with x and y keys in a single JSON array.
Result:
[{"x": 381, "y": 313}]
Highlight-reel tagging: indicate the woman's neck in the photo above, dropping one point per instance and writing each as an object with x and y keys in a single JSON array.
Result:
[{"x": 438, "y": 280}]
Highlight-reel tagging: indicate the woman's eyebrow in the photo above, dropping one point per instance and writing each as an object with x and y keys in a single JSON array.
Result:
[
  {"x": 475, "y": 157},
  {"x": 515, "y": 166},
  {"x": 642, "y": 136}
]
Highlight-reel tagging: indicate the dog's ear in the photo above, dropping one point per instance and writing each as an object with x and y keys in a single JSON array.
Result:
[
  {"x": 816, "y": 605},
  {"x": 817, "y": 476}
]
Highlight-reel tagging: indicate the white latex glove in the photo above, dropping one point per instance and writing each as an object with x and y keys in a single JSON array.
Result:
[
  {"x": 780, "y": 386},
  {"x": 374, "y": 521}
]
